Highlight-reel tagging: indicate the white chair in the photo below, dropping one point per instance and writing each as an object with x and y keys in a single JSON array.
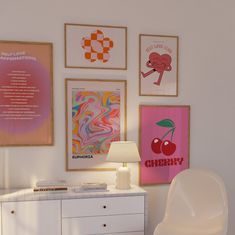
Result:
[{"x": 196, "y": 205}]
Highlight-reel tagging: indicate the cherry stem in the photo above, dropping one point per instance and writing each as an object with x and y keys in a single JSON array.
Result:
[{"x": 172, "y": 132}]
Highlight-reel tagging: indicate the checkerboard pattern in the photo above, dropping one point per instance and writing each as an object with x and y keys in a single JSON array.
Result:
[{"x": 97, "y": 47}]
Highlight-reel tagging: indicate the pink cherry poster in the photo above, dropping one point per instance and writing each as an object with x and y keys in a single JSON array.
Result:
[
  {"x": 26, "y": 112},
  {"x": 158, "y": 69},
  {"x": 164, "y": 142}
]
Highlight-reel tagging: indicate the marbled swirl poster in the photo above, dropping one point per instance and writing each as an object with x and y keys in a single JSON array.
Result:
[{"x": 95, "y": 118}]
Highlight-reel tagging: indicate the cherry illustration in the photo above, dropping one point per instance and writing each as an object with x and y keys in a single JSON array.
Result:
[
  {"x": 156, "y": 145},
  {"x": 159, "y": 145},
  {"x": 168, "y": 147}
]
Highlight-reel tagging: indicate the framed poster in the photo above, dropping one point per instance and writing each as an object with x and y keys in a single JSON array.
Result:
[
  {"x": 158, "y": 65},
  {"x": 164, "y": 142},
  {"x": 95, "y": 116},
  {"x": 95, "y": 46},
  {"x": 26, "y": 93}
]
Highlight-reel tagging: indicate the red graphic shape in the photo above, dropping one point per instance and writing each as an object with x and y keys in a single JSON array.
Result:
[
  {"x": 156, "y": 145},
  {"x": 159, "y": 63},
  {"x": 168, "y": 147}
]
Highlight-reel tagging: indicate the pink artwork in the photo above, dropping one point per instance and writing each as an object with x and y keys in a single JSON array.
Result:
[
  {"x": 164, "y": 143},
  {"x": 26, "y": 100},
  {"x": 158, "y": 72},
  {"x": 159, "y": 63}
]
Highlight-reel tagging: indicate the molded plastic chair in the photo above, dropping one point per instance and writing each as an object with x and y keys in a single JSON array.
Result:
[{"x": 196, "y": 205}]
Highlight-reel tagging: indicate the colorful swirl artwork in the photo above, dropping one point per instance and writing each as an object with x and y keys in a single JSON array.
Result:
[{"x": 96, "y": 121}]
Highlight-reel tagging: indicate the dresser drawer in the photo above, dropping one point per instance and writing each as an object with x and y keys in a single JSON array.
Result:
[
  {"x": 102, "y": 206},
  {"x": 129, "y": 233},
  {"x": 103, "y": 225}
]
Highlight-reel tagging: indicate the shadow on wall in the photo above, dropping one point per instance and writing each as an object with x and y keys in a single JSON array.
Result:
[
  {"x": 155, "y": 194},
  {"x": 4, "y": 168}
]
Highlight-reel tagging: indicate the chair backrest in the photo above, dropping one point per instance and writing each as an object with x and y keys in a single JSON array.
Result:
[{"x": 197, "y": 197}]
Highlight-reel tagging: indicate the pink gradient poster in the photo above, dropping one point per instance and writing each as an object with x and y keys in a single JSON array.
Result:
[
  {"x": 25, "y": 93},
  {"x": 164, "y": 143}
]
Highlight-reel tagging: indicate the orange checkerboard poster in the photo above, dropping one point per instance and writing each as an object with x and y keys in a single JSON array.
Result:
[{"x": 94, "y": 46}]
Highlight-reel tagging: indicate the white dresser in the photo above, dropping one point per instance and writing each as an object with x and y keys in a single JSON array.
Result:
[{"x": 115, "y": 212}]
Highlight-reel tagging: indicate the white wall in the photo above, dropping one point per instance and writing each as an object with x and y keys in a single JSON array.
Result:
[{"x": 206, "y": 81}]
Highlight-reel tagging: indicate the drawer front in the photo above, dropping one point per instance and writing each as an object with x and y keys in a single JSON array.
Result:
[
  {"x": 103, "y": 225},
  {"x": 102, "y": 206},
  {"x": 129, "y": 233},
  {"x": 31, "y": 218}
]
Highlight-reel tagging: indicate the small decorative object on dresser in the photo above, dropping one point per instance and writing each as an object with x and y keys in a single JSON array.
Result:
[
  {"x": 91, "y": 187},
  {"x": 123, "y": 151}
]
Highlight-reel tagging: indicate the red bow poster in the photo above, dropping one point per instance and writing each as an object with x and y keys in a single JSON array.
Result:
[{"x": 158, "y": 65}]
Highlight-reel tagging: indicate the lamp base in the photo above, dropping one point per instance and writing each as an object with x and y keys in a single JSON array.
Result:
[{"x": 123, "y": 178}]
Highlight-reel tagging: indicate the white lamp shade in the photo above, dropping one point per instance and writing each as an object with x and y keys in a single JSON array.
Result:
[{"x": 123, "y": 151}]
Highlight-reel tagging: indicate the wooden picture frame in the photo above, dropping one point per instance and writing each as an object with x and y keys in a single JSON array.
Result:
[
  {"x": 158, "y": 65},
  {"x": 164, "y": 142},
  {"x": 26, "y": 97},
  {"x": 95, "y": 116},
  {"x": 95, "y": 46}
]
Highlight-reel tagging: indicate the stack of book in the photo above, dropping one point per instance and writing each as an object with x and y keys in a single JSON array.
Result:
[
  {"x": 91, "y": 187},
  {"x": 50, "y": 185}
]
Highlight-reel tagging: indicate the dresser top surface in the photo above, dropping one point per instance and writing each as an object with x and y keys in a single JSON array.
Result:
[{"x": 11, "y": 195}]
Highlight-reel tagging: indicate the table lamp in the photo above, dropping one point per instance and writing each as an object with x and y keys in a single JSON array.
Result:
[{"x": 124, "y": 152}]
